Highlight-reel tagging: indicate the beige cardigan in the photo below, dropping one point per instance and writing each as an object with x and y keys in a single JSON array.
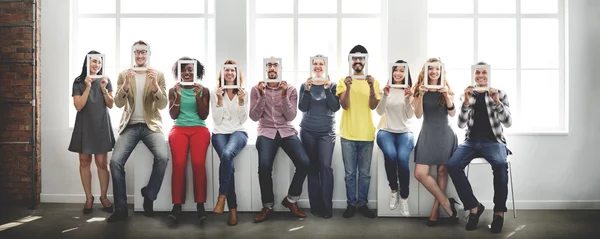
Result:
[{"x": 153, "y": 102}]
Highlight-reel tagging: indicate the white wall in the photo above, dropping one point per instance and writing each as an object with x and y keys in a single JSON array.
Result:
[{"x": 550, "y": 171}]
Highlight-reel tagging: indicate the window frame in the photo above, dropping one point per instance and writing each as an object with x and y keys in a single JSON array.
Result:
[{"x": 563, "y": 61}]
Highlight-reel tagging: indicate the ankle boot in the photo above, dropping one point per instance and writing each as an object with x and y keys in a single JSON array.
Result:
[
  {"x": 220, "y": 207},
  {"x": 232, "y": 217}
]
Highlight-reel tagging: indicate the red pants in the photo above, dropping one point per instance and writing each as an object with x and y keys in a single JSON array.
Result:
[{"x": 195, "y": 139}]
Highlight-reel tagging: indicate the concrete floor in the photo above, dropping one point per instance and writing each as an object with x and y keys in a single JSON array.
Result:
[{"x": 59, "y": 217}]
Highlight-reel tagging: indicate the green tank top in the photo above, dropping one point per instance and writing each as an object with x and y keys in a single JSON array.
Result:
[{"x": 188, "y": 113}]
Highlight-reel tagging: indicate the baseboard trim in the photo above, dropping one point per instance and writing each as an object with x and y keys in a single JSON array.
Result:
[
  {"x": 75, "y": 198},
  {"x": 341, "y": 204}
]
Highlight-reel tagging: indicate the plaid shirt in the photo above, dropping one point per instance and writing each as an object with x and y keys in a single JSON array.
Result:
[{"x": 499, "y": 115}]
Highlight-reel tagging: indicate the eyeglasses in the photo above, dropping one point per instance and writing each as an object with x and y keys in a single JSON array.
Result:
[
  {"x": 272, "y": 64},
  {"x": 142, "y": 52}
]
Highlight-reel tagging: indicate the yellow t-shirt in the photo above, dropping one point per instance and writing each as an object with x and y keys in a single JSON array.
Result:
[{"x": 357, "y": 121}]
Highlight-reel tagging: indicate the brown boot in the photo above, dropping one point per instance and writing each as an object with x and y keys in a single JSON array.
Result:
[
  {"x": 220, "y": 207},
  {"x": 263, "y": 216},
  {"x": 232, "y": 217},
  {"x": 293, "y": 208}
]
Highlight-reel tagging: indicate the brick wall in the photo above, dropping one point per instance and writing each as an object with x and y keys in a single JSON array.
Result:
[{"x": 16, "y": 111}]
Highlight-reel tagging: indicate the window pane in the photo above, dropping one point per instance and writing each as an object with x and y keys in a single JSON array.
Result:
[
  {"x": 497, "y": 6},
  {"x": 539, "y": 6},
  {"x": 361, "y": 6},
  {"x": 537, "y": 85},
  {"x": 159, "y": 34},
  {"x": 211, "y": 67},
  {"x": 274, "y": 37},
  {"x": 452, "y": 40},
  {"x": 88, "y": 38},
  {"x": 211, "y": 7},
  {"x": 498, "y": 42},
  {"x": 539, "y": 43},
  {"x": 458, "y": 80},
  {"x": 158, "y": 6},
  {"x": 317, "y": 6},
  {"x": 274, "y": 6},
  {"x": 445, "y": 6},
  {"x": 370, "y": 38},
  {"x": 93, "y": 6},
  {"x": 317, "y": 36}
]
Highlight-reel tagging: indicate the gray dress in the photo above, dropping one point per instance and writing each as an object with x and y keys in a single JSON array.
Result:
[
  {"x": 92, "y": 133},
  {"x": 437, "y": 141}
]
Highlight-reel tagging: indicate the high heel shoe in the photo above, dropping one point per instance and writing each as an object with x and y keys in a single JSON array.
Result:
[
  {"x": 88, "y": 210},
  {"x": 109, "y": 209},
  {"x": 453, "y": 202}
]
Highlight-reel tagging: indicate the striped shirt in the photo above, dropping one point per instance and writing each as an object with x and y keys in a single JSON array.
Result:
[
  {"x": 499, "y": 115},
  {"x": 273, "y": 112}
]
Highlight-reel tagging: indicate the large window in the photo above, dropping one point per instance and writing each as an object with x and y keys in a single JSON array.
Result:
[
  {"x": 173, "y": 29},
  {"x": 523, "y": 41},
  {"x": 295, "y": 30}
]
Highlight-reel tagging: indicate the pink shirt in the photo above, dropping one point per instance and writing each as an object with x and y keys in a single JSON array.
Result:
[{"x": 273, "y": 112}]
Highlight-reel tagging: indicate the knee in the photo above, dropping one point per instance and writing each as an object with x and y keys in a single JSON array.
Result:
[
  {"x": 228, "y": 155},
  {"x": 421, "y": 175},
  {"x": 442, "y": 171},
  {"x": 101, "y": 166},
  {"x": 500, "y": 168},
  {"x": 84, "y": 163},
  {"x": 116, "y": 164}
]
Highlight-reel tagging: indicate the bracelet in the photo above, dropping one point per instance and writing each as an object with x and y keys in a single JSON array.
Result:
[
  {"x": 451, "y": 108},
  {"x": 176, "y": 105},
  {"x": 373, "y": 96},
  {"x": 104, "y": 92}
]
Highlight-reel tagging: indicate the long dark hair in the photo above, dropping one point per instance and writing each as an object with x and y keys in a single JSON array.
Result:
[
  {"x": 406, "y": 75},
  {"x": 84, "y": 70}
]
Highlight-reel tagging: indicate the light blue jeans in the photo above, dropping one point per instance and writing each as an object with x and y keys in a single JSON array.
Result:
[
  {"x": 357, "y": 155},
  {"x": 156, "y": 143}
]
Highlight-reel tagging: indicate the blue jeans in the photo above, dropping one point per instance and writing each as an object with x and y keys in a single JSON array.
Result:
[
  {"x": 396, "y": 148},
  {"x": 357, "y": 154},
  {"x": 319, "y": 148},
  {"x": 267, "y": 149},
  {"x": 495, "y": 153},
  {"x": 156, "y": 143},
  {"x": 227, "y": 147}
]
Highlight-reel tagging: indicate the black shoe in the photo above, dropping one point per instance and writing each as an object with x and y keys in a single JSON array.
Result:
[
  {"x": 431, "y": 223},
  {"x": 365, "y": 211},
  {"x": 88, "y": 210},
  {"x": 175, "y": 214},
  {"x": 497, "y": 224},
  {"x": 350, "y": 210},
  {"x": 148, "y": 204},
  {"x": 118, "y": 215},
  {"x": 201, "y": 212},
  {"x": 474, "y": 218},
  {"x": 453, "y": 203}
]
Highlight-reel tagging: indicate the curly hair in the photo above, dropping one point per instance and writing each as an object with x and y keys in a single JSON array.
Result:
[
  {"x": 199, "y": 68},
  {"x": 442, "y": 100}
]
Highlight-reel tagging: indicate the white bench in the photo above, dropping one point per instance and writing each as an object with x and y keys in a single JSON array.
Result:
[{"x": 512, "y": 194}]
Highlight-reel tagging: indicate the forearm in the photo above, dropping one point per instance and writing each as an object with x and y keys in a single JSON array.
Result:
[
  {"x": 80, "y": 101},
  {"x": 108, "y": 99},
  {"x": 345, "y": 99},
  {"x": 418, "y": 106},
  {"x": 202, "y": 107}
]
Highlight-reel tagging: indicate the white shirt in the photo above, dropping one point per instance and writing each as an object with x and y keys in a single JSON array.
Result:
[
  {"x": 396, "y": 111},
  {"x": 138, "y": 108},
  {"x": 231, "y": 116}
]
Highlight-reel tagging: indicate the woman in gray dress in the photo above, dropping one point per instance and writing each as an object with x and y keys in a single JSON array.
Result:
[
  {"x": 437, "y": 141},
  {"x": 92, "y": 134}
]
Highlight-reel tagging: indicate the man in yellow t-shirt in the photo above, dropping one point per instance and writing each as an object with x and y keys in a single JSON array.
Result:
[{"x": 359, "y": 94}]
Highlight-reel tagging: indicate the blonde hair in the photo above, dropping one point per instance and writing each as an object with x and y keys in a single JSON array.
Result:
[
  {"x": 240, "y": 77},
  {"x": 442, "y": 100}
]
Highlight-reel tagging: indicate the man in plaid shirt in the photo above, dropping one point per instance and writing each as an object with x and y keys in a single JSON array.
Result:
[{"x": 484, "y": 112}]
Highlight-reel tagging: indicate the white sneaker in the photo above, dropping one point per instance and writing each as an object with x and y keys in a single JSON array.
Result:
[
  {"x": 404, "y": 207},
  {"x": 393, "y": 200}
]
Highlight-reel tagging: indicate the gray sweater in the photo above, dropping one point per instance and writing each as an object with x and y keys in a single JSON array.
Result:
[{"x": 318, "y": 106}]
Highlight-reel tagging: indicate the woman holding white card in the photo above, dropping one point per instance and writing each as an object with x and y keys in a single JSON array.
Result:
[
  {"x": 230, "y": 111},
  {"x": 318, "y": 103},
  {"x": 437, "y": 141},
  {"x": 394, "y": 138},
  {"x": 189, "y": 107},
  {"x": 92, "y": 133}
]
